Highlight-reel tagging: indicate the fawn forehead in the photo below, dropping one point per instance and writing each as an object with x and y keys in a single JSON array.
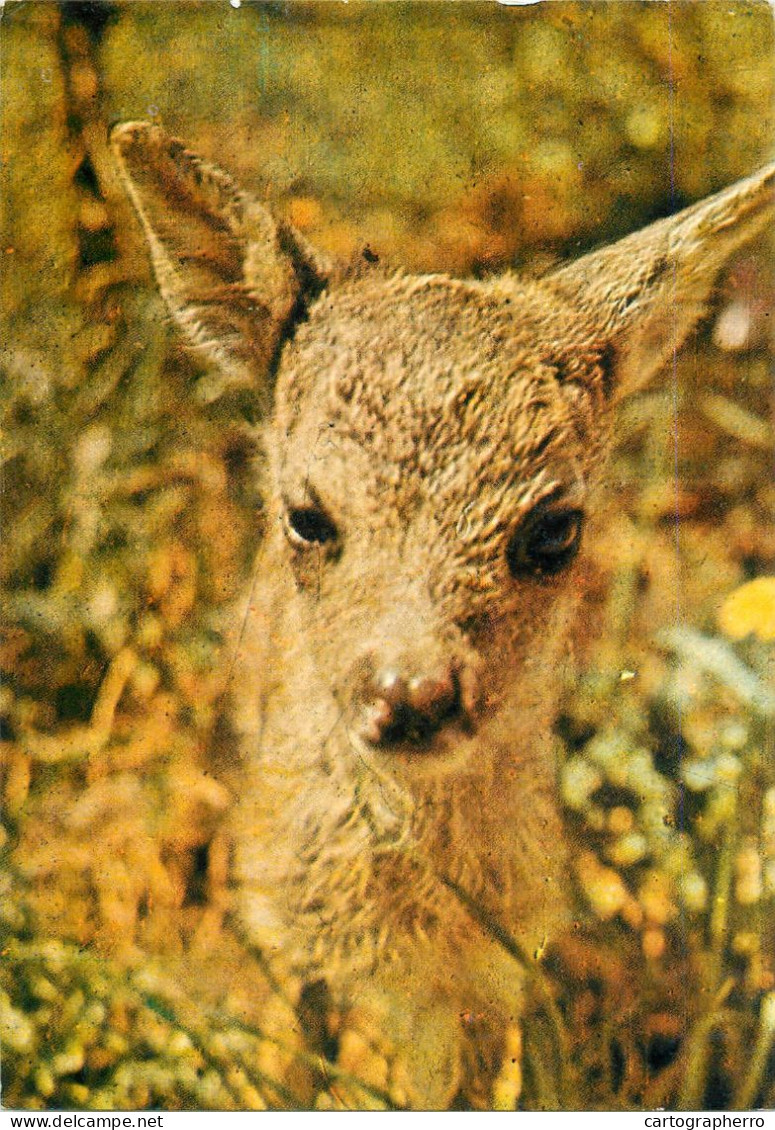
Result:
[{"x": 430, "y": 381}]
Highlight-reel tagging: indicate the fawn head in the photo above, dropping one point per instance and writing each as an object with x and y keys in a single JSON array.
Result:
[{"x": 435, "y": 445}]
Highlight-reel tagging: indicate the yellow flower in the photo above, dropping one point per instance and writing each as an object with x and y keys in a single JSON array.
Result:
[{"x": 750, "y": 609}]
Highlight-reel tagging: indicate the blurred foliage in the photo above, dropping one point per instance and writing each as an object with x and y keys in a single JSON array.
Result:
[{"x": 465, "y": 137}]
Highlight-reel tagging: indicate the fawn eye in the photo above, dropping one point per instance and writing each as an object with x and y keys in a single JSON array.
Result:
[
  {"x": 546, "y": 542},
  {"x": 307, "y": 526}
]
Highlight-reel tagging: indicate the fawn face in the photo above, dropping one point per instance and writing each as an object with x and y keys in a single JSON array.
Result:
[{"x": 432, "y": 483}]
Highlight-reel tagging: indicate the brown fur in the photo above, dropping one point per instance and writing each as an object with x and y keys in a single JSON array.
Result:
[{"x": 428, "y": 419}]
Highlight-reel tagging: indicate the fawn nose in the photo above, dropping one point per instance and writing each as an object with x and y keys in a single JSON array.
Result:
[{"x": 409, "y": 708}]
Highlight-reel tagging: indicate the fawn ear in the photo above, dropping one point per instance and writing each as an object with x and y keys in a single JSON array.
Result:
[
  {"x": 646, "y": 292},
  {"x": 232, "y": 275}
]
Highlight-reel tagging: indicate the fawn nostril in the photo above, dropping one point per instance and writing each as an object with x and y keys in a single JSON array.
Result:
[
  {"x": 434, "y": 698},
  {"x": 399, "y": 710},
  {"x": 389, "y": 686},
  {"x": 378, "y": 719}
]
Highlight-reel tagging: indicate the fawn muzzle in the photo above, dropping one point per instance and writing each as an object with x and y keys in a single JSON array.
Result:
[{"x": 400, "y": 707}]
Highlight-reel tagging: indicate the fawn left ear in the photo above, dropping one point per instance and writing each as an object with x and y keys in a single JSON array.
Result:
[
  {"x": 232, "y": 275},
  {"x": 645, "y": 293}
]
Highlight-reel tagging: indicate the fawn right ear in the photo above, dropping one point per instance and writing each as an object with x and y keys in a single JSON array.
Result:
[
  {"x": 644, "y": 294},
  {"x": 233, "y": 277}
]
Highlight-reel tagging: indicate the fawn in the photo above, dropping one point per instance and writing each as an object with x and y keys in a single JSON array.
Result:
[{"x": 435, "y": 449}]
